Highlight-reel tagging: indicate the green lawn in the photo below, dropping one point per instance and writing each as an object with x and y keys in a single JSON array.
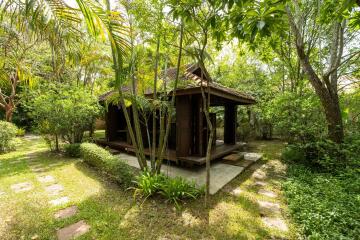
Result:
[{"x": 112, "y": 213}]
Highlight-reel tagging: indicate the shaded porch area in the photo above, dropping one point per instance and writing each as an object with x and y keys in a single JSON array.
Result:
[{"x": 220, "y": 150}]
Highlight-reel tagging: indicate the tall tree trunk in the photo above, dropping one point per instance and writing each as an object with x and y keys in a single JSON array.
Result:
[
  {"x": 9, "y": 111},
  {"x": 325, "y": 90}
]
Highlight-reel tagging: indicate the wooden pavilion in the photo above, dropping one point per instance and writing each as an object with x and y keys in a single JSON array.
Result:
[{"x": 189, "y": 132}]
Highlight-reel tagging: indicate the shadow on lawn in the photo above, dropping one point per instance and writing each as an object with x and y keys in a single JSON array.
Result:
[{"x": 114, "y": 213}]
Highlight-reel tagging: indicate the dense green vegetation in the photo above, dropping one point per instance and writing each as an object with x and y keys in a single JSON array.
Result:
[
  {"x": 7, "y": 135},
  {"x": 324, "y": 205},
  {"x": 104, "y": 161},
  {"x": 299, "y": 59},
  {"x": 174, "y": 190}
]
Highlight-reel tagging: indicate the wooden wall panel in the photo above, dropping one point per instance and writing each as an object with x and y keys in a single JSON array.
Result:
[
  {"x": 230, "y": 124},
  {"x": 183, "y": 126}
]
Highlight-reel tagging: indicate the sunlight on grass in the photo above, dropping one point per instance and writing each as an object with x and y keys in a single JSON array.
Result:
[{"x": 111, "y": 211}]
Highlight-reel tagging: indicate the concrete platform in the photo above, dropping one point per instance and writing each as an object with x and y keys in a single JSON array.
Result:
[{"x": 220, "y": 173}]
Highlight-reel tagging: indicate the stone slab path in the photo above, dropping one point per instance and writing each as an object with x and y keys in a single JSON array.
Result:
[
  {"x": 236, "y": 192},
  {"x": 252, "y": 156},
  {"x": 51, "y": 188},
  {"x": 267, "y": 193},
  {"x": 277, "y": 223},
  {"x": 59, "y": 201},
  {"x": 260, "y": 183},
  {"x": 73, "y": 230},
  {"x": 46, "y": 179},
  {"x": 22, "y": 187},
  {"x": 259, "y": 174},
  {"x": 265, "y": 207},
  {"x": 66, "y": 212},
  {"x": 2, "y": 193},
  {"x": 54, "y": 189},
  {"x": 16, "y": 161}
]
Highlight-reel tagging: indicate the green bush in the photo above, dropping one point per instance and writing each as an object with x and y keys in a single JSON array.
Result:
[
  {"x": 20, "y": 132},
  {"x": 174, "y": 190},
  {"x": 324, "y": 205},
  {"x": 72, "y": 150},
  {"x": 177, "y": 189},
  {"x": 103, "y": 160},
  {"x": 148, "y": 184},
  {"x": 7, "y": 135},
  {"x": 322, "y": 154},
  {"x": 62, "y": 112},
  {"x": 293, "y": 153}
]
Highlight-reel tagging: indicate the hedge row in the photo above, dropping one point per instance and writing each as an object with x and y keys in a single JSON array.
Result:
[{"x": 103, "y": 160}]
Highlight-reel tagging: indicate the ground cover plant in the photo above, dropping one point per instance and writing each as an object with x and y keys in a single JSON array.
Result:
[
  {"x": 322, "y": 189},
  {"x": 175, "y": 190},
  {"x": 324, "y": 205}
]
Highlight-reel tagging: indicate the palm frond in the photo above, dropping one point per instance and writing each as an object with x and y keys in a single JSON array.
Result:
[{"x": 100, "y": 21}]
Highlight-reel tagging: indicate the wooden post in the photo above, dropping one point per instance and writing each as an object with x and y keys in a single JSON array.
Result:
[{"x": 230, "y": 124}]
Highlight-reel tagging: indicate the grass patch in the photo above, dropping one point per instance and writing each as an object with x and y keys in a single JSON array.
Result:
[{"x": 111, "y": 211}]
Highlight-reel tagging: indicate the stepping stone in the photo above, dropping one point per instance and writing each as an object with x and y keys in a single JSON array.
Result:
[
  {"x": 232, "y": 157},
  {"x": 260, "y": 183},
  {"x": 267, "y": 193},
  {"x": 73, "y": 230},
  {"x": 236, "y": 192},
  {"x": 269, "y": 206},
  {"x": 275, "y": 223},
  {"x": 259, "y": 174},
  {"x": 46, "y": 179},
  {"x": 40, "y": 170},
  {"x": 21, "y": 187},
  {"x": 2, "y": 193},
  {"x": 59, "y": 201},
  {"x": 54, "y": 189},
  {"x": 15, "y": 162},
  {"x": 55, "y": 164},
  {"x": 252, "y": 156},
  {"x": 66, "y": 212},
  {"x": 36, "y": 165},
  {"x": 34, "y": 237}
]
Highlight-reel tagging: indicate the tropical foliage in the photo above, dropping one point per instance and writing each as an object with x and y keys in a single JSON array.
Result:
[
  {"x": 7, "y": 135},
  {"x": 63, "y": 112},
  {"x": 299, "y": 59}
]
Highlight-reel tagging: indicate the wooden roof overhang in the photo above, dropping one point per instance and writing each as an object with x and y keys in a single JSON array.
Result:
[
  {"x": 218, "y": 96},
  {"x": 192, "y": 83}
]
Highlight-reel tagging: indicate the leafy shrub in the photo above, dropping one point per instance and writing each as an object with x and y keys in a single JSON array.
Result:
[
  {"x": 103, "y": 160},
  {"x": 293, "y": 153},
  {"x": 177, "y": 189},
  {"x": 324, "y": 205},
  {"x": 174, "y": 190},
  {"x": 7, "y": 134},
  {"x": 72, "y": 150},
  {"x": 148, "y": 184},
  {"x": 20, "y": 132},
  {"x": 63, "y": 112},
  {"x": 322, "y": 154}
]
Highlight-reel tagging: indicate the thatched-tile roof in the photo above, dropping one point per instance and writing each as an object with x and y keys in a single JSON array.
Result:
[{"x": 191, "y": 78}]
